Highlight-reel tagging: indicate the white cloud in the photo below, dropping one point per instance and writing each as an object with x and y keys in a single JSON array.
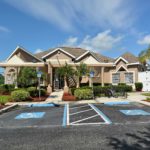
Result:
[
  {"x": 86, "y": 13},
  {"x": 4, "y": 29},
  {"x": 145, "y": 40},
  {"x": 71, "y": 41},
  {"x": 102, "y": 41},
  {"x": 38, "y": 51}
]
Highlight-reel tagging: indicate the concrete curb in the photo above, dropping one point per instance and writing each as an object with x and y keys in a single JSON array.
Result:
[{"x": 8, "y": 108}]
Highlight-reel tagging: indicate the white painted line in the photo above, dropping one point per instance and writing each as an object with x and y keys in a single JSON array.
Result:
[
  {"x": 79, "y": 107},
  {"x": 94, "y": 123},
  {"x": 80, "y": 112},
  {"x": 101, "y": 114},
  {"x": 84, "y": 119},
  {"x": 68, "y": 115}
]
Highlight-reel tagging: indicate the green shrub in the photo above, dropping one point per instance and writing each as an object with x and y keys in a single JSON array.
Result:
[
  {"x": 6, "y": 88},
  {"x": 32, "y": 91},
  {"x": 121, "y": 83},
  {"x": 138, "y": 86},
  {"x": 43, "y": 92},
  {"x": 83, "y": 94},
  {"x": 4, "y": 99},
  {"x": 20, "y": 95}
]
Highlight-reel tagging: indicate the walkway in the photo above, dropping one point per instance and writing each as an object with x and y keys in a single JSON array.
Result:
[{"x": 55, "y": 97}]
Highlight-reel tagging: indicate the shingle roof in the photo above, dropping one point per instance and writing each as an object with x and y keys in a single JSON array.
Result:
[
  {"x": 130, "y": 57},
  {"x": 77, "y": 52}
]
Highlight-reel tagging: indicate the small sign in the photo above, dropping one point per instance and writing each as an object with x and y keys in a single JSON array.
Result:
[
  {"x": 39, "y": 74},
  {"x": 92, "y": 74}
]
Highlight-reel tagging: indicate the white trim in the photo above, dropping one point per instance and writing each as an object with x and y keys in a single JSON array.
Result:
[
  {"x": 120, "y": 59},
  {"x": 19, "y": 47},
  {"x": 122, "y": 67},
  {"x": 82, "y": 55},
  {"x": 136, "y": 63},
  {"x": 57, "y": 50}
]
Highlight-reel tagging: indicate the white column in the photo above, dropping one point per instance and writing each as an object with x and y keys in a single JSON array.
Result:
[{"x": 102, "y": 76}]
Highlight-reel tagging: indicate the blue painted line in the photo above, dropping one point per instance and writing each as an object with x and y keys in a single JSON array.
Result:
[
  {"x": 42, "y": 105},
  {"x": 117, "y": 103},
  {"x": 29, "y": 115},
  {"x": 134, "y": 112},
  {"x": 106, "y": 119},
  {"x": 64, "y": 124}
]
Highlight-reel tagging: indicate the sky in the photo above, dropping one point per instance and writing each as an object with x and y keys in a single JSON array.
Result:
[{"x": 110, "y": 27}]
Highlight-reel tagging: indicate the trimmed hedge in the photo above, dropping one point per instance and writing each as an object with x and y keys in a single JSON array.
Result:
[
  {"x": 20, "y": 95},
  {"x": 138, "y": 86},
  {"x": 99, "y": 90},
  {"x": 6, "y": 88},
  {"x": 83, "y": 93}
]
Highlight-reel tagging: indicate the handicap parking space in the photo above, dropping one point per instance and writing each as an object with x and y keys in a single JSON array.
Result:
[
  {"x": 85, "y": 114},
  {"x": 32, "y": 116},
  {"x": 135, "y": 113},
  {"x": 75, "y": 114}
]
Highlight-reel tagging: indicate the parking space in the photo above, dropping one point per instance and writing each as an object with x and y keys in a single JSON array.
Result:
[
  {"x": 32, "y": 116},
  {"x": 117, "y": 115},
  {"x": 75, "y": 114},
  {"x": 86, "y": 114}
]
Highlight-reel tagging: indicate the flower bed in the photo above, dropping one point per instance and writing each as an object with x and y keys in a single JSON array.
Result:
[{"x": 68, "y": 97}]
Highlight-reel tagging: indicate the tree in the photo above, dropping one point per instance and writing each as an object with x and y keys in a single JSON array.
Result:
[
  {"x": 27, "y": 77},
  {"x": 81, "y": 70},
  {"x": 66, "y": 71},
  {"x": 144, "y": 56},
  {"x": 1, "y": 79}
]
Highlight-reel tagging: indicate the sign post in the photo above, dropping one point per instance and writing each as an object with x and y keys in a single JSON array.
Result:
[
  {"x": 39, "y": 74},
  {"x": 91, "y": 76}
]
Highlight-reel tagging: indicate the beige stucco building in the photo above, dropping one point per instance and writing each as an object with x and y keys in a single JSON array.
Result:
[{"x": 123, "y": 69}]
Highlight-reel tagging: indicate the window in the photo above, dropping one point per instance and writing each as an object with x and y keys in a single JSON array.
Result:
[
  {"x": 115, "y": 77},
  {"x": 129, "y": 77}
]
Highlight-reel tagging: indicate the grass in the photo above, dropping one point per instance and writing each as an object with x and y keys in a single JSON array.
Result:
[
  {"x": 146, "y": 94},
  {"x": 4, "y": 99}
]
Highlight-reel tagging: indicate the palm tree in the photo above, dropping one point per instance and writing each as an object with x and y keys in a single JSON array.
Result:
[
  {"x": 66, "y": 71},
  {"x": 144, "y": 56},
  {"x": 81, "y": 70}
]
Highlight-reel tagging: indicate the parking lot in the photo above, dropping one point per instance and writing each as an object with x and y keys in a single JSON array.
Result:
[
  {"x": 75, "y": 115},
  {"x": 76, "y": 126}
]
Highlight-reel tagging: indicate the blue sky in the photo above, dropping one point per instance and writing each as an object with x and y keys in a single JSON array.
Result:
[{"x": 110, "y": 27}]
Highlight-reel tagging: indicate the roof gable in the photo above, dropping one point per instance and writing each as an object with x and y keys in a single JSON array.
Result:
[
  {"x": 18, "y": 48},
  {"x": 58, "y": 49}
]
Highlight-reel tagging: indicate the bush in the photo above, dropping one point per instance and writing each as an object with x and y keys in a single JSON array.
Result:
[
  {"x": 99, "y": 90},
  {"x": 122, "y": 84},
  {"x": 4, "y": 99},
  {"x": 20, "y": 95},
  {"x": 83, "y": 93},
  {"x": 35, "y": 92},
  {"x": 32, "y": 91},
  {"x": 138, "y": 86},
  {"x": 6, "y": 88},
  {"x": 43, "y": 92}
]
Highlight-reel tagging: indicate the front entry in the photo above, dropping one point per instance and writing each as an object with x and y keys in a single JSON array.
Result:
[{"x": 58, "y": 81}]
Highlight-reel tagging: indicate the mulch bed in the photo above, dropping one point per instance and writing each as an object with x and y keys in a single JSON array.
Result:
[
  {"x": 36, "y": 99},
  {"x": 3, "y": 106},
  {"x": 147, "y": 101}
]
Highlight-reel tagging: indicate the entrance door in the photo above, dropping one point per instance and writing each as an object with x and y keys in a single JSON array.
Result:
[{"x": 58, "y": 81}]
